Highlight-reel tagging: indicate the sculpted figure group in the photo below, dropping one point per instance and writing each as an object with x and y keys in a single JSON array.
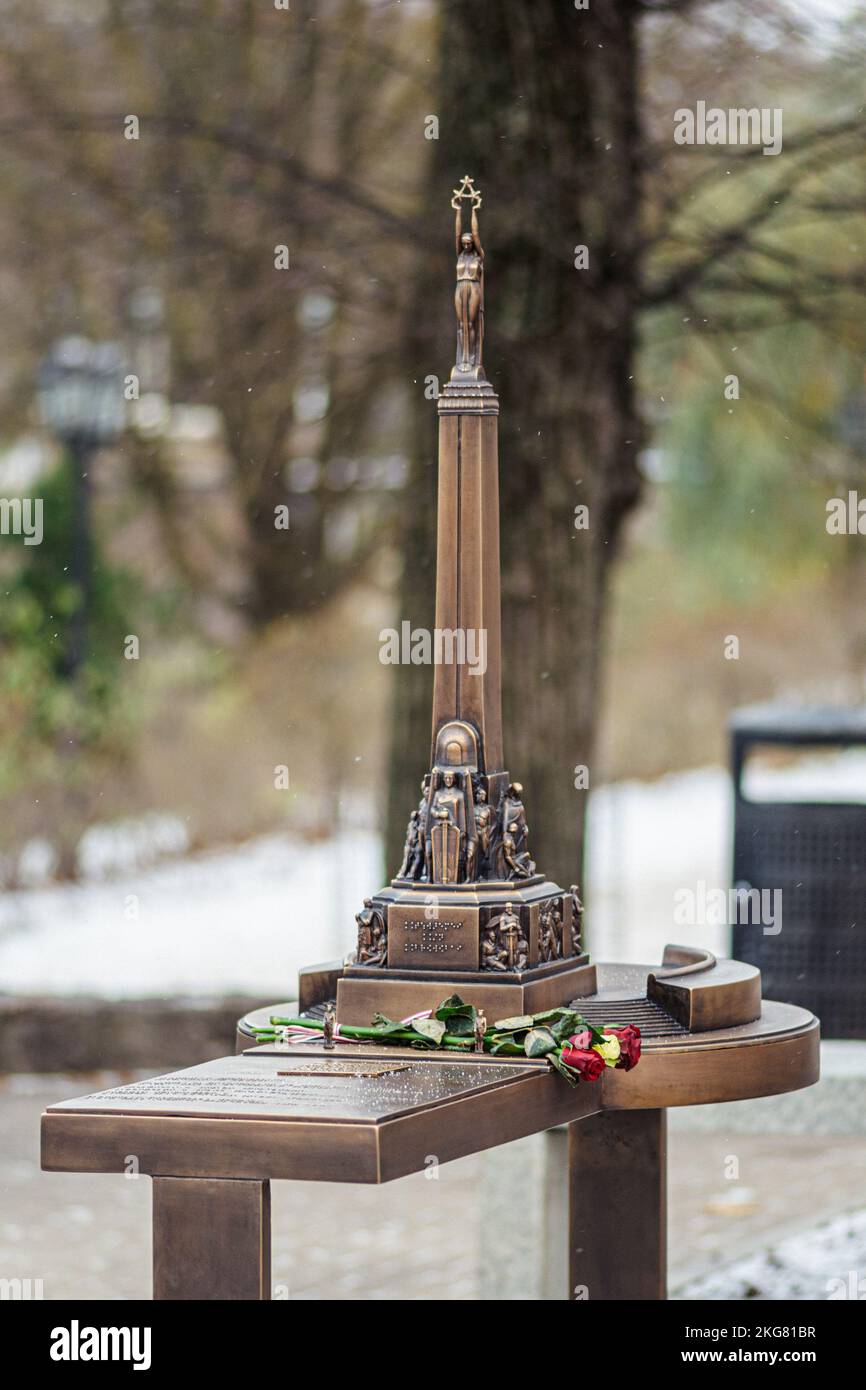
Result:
[
  {"x": 456, "y": 836},
  {"x": 372, "y": 935},
  {"x": 503, "y": 943}
]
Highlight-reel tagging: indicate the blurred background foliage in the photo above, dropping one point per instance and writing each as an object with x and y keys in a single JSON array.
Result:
[{"x": 261, "y": 128}]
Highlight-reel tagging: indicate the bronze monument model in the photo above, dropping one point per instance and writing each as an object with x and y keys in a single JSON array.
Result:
[
  {"x": 467, "y": 913},
  {"x": 468, "y": 908}
]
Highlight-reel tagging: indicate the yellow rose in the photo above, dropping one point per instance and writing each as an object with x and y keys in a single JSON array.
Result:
[{"x": 609, "y": 1050}]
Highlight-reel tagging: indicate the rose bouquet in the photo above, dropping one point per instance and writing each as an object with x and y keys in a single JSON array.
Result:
[{"x": 576, "y": 1049}]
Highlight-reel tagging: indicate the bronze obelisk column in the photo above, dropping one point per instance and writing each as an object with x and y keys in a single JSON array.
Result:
[
  {"x": 467, "y": 910},
  {"x": 467, "y": 558}
]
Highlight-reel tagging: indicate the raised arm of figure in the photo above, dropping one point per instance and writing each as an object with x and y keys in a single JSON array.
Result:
[{"x": 476, "y": 239}]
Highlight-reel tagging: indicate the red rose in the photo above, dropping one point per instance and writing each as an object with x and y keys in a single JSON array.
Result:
[
  {"x": 587, "y": 1063},
  {"x": 629, "y": 1044},
  {"x": 582, "y": 1041}
]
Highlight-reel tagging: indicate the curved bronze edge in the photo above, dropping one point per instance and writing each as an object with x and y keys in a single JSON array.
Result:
[
  {"x": 710, "y": 1070},
  {"x": 706, "y": 993},
  {"x": 682, "y": 960}
]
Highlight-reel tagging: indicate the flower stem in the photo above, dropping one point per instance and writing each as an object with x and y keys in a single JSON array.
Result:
[{"x": 369, "y": 1034}]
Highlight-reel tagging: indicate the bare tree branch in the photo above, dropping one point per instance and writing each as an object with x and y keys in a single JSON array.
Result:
[
  {"x": 739, "y": 161},
  {"x": 734, "y": 238}
]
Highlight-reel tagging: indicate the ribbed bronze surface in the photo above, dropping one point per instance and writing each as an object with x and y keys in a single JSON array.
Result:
[{"x": 652, "y": 1020}]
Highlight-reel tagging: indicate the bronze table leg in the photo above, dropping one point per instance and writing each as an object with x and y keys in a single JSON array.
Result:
[
  {"x": 617, "y": 1177},
  {"x": 211, "y": 1238}
]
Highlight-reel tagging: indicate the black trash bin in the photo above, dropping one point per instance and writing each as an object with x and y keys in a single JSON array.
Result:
[{"x": 814, "y": 853}]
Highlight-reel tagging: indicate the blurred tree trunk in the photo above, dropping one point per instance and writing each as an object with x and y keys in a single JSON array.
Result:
[{"x": 539, "y": 104}]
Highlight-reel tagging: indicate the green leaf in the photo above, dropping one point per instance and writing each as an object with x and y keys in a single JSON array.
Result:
[
  {"x": 461, "y": 1025},
  {"x": 538, "y": 1042},
  {"x": 430, "y": 1028},
  {"x": 386, "y": 1026},
  {"x": 459, "y": 1017},
  {"x": 514, "y": 1025},
  {"x": 555, "y": 1060},
  {"x": 547, "y": 1014},
  {"x": 565, "y": 1022},
  {"x": 452, "y": 1002}
]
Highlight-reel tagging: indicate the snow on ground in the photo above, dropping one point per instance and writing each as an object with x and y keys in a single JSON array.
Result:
[
  {"x": 244, "y": 919},
  {"x": 824, "y": 1262},
  {"x": 240, "y": 920}
]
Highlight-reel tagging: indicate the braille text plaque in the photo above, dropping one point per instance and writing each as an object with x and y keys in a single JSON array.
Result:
[{"x": 435, "y": 937}]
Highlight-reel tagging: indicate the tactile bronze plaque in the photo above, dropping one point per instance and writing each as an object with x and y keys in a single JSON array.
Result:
[
  {"x": 338, "y": 1069},
  {"x": 446, "y": 939},
  {"x": 338, "y": 1088}
]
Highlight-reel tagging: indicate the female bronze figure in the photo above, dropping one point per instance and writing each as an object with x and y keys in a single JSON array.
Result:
[{"x": 469, "y": 294}]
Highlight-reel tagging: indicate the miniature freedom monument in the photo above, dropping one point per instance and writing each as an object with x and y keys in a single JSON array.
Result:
[{"x": 467, "y": 1014}]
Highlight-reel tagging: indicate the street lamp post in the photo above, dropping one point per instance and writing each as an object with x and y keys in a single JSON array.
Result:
[{"x": 81, "y": 401}]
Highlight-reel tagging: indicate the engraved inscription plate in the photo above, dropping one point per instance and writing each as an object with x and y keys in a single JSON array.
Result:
[
  {"x": 253, "y": 1087},
  {"x": 438, "y": 937}
]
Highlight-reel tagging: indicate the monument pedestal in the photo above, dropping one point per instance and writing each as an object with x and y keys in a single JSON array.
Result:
[
  {"x": 399, "y": 994},
  {"x": 507, "y": 947}
]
